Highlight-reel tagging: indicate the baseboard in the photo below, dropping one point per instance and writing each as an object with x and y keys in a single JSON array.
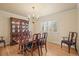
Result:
[
  {"x": 59, "y": 44},
  {"x": 54, "y": 43}
]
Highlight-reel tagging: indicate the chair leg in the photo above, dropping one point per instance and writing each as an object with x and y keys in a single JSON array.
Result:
[
  {"x": 38, "y": 51},
  {"x": 4, "y": 44},
  {"x": 32, "y": 52},
  {"x": 61, "y": 44},
  {"x": 41, "y": 49},
  {"x": 19, "y": 47},
  {"x": 24, "y": 52},
  {"x": 75, "y": 48},
  {"x": 69, "y": 48},
  {"x": 46, "y": 47}
]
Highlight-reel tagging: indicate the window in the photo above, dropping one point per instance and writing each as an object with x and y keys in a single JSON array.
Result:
[
  {"x": 45, "y": 26},
  {"x": 49, "y": 26}
]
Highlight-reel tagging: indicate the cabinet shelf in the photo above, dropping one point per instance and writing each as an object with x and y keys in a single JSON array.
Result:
[{"x": 18, "y": 26}]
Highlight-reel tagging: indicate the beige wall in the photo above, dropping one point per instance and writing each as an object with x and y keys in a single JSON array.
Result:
[
  {"x": 66, "y": 22},
  {"x": 78, "y": 27},
  {"x": 5, "y": 24}
]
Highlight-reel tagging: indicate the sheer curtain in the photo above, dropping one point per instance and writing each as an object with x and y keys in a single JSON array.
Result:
[{"x": 49, "y": 26}]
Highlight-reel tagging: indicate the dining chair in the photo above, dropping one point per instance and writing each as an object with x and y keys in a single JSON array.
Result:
[
  {"x": 20, "y": 39},
  {"x": 44, "y": 41},
  {"x": 31, "y": 46},
  {"x": 23, "y": 38},
  {"x": 70, "y": 40},
  {"x": 39, "y": 42},
  {"x": 2, "y": 41}
]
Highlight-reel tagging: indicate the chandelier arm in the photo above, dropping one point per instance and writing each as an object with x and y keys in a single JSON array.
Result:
[{"x": 34, "y": 18}]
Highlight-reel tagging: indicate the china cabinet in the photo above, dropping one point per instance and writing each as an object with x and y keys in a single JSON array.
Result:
[{"x": 18, "y": 27}]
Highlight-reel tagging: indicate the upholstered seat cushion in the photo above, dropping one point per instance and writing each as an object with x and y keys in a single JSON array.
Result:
[
  {"x": 2, "y": 40},
  {"x": 68, "y": 42},
  {"x": 29, "y": 46}
]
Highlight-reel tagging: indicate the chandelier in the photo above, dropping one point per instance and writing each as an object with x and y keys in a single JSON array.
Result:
[{"x": 34, "y": 18}]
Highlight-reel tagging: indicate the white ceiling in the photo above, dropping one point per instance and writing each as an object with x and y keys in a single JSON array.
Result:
[{"x": 41, "y": 9}]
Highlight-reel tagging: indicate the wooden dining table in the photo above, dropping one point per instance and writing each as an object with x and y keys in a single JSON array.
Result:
[{"x": 22, "y": 42}]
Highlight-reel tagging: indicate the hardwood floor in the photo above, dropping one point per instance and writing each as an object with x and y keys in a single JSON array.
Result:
[{"x": 53, "y": 50}]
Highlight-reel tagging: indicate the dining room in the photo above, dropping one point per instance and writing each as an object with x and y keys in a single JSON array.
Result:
[{"x": 39, "y": 29}]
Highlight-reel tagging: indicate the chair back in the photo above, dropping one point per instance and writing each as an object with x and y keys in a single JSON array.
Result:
[
  {"x": 1, "y": 37},
  {"x": 39, "y": 36},
  {"x": 44, "y": 36},
  {"x": 35, "y": 36},
  {"x": 24, "y": 37},
  {"x": 72, "y": 36}
]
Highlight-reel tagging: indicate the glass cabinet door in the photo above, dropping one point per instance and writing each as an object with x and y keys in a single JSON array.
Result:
[{"x": 18, "y": 27}]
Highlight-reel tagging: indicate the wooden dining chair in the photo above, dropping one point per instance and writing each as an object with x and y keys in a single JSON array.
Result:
[
  {"x": 70, "y": 40},
  {"x": 32, "y": 45},
  {"x": 2, "y": 40},
  {"x": 44, "y": 41},
  {"x": 20, "y": 42},
  {"x": 39, "y": 42},
  {"x": 23, "y": 38}
]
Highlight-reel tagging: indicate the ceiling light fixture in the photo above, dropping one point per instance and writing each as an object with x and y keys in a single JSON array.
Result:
[{"x": 34, "y": 18}]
